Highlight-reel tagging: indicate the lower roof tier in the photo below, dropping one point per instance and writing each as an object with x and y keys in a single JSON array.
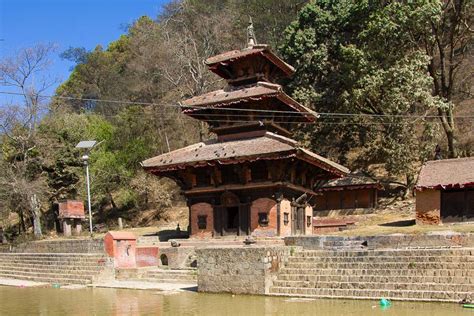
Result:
[{"x": 269, "y": 146}]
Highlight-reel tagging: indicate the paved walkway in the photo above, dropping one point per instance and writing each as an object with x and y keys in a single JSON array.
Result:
[
  {"x": 22, "y": 283},
  {"x": 141, "y": 285}
]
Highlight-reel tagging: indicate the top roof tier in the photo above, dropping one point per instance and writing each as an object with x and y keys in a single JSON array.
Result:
[{"x": 249, "y": 65}]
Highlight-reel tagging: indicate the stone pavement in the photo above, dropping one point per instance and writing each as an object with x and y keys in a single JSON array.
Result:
[
  {"x": 141, "y": 285},
  {"x": 22, "y": 283}
]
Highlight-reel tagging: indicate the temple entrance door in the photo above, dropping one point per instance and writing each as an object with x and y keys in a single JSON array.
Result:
[
  {"x": 297, "y": 216},
  {"x": 231, "y": 220},
  {"x": 234, "y": 217}
]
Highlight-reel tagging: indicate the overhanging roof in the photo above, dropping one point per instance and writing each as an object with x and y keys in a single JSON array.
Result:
[
  {"x": 446, "y": 174},
  {"x": 235, "y": 97},
  {"x": 352, "y": 181},
  {"x": 261, "y": 50},
  {"x": 267, "y": 147}
]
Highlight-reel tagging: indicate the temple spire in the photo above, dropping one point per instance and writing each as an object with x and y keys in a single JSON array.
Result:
[{"x": 251, "y": 38}]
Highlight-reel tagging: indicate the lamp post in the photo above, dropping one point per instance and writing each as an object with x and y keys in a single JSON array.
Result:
[
  {"x": 88, "y": 145},
  {"x": 85, "y": 158}
]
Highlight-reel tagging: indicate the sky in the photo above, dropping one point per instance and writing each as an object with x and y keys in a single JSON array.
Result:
[{"x": 66, "y": 23}]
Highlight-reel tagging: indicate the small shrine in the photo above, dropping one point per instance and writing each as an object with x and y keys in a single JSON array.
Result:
[
  {"x": 71, "y": 214},
  {"x": 252, "y": 179}
]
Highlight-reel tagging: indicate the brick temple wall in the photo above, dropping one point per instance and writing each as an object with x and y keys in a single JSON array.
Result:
[
  {"x": 308, "y": 220},
  {"x": 202, "y": 209},
  {"x": 285, "y": 227},
  {"x": 268, "y": 206},
  {"x": 428, "y": 205}
]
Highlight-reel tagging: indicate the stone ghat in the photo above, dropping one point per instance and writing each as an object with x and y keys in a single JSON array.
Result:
[
  {"x": 182, "y": 276},
  {"x": 59, "y": 246},
  {"x": 211, "y": 242},
  {"x": 429, "y": 240},
  {"x": 66, "y": 268},
  {"x": 445, "y": 275}
]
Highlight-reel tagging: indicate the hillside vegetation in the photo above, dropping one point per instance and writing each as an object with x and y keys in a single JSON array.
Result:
[{"x": 391, "y": 79}]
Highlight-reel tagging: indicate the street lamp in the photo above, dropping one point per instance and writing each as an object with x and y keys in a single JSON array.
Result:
[{"x": 88, "y": 145}]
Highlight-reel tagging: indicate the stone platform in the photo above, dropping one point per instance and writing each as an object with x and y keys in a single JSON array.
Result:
[
  {"x": 60, "y": 268},
  {"x": 445, "y": 275}
]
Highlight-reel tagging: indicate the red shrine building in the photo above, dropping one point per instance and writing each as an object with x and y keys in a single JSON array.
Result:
[{"x": 253, "y": 179}]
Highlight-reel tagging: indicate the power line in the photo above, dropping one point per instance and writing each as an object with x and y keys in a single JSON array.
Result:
[{"x": 336, "y": 115}]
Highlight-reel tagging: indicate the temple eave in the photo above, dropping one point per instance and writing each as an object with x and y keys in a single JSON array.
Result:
[{"x": 250, "y": 186}]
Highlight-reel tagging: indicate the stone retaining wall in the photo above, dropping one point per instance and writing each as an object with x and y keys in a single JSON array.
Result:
[
  {"x": 61, "y": 246},
  {"x": 435, "y": 240},
  {"x": 240, "y": 270}
]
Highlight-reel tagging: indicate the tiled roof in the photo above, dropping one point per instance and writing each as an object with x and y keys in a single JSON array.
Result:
[
  {"x": 353, "y": 180},
  {"x": 269, "y": 146},
  {"x": 258, "y": 49},
  {"x": 447, "y": 173},
  {"x": 261, "y": 90}
]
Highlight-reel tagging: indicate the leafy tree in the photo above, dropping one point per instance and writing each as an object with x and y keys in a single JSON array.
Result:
[{"x": 349, "y": 61}]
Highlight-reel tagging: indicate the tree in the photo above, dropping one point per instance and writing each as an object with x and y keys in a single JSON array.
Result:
[
  {"x": 21, "y": 182},
  {"x": 445, "y": 33},
  {"x": 348, "y": 60}
]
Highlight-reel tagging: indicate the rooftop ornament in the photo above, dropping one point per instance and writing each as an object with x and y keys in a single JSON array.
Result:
[{"x": 251, "y": 38}]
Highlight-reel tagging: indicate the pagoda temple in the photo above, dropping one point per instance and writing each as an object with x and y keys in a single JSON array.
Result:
[{"x": 253, "y": 179}]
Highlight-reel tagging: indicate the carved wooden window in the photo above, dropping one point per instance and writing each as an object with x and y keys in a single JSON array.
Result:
[
  {"x": 259, "y": 171},
  {"x": 230, "y": 175},
  {"x": 308, "y": 221},
  {"x": 202, "y": 221},
  {"x": 286, "y": 218},
  {"x": 203, "y": 178},
  {"x": 263, "y": 219}
]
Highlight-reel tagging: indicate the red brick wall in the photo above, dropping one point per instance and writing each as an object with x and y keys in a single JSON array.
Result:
[
  {"x": 285, "y": 207},
  {"x": 197, "y": 210},
  {"x": 332, "y": 199},
  {"x": 428, "y": 205},
  {"x": 147, "y": 257},
  {"x": 308, "y": 214},
  {"x": 259, "y": 206},
  {"x": 71, "y": 209}
]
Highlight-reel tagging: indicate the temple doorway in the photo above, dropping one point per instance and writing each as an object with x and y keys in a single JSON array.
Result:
[
  {"x": 298, "y": 214},
  {"x": 231, "y": 217}
]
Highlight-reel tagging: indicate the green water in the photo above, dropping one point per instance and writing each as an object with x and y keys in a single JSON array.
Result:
[{"x": 49, "y": 301}]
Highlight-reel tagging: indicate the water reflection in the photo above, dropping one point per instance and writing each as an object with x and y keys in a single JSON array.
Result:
[{"x": 49, "y": 301}]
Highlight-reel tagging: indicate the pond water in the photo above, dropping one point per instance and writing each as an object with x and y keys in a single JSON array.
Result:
[{"x": 90, "y": 301}]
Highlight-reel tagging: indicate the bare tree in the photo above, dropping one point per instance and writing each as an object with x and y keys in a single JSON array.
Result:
[{"x": 20, "y": 181}]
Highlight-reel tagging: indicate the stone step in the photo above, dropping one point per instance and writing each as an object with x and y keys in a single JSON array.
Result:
[
  {"x": 444, "y": 259},
  {"x": 380, "y": 272},
  {"x": 377, "y": 286},
  {"x": 164, "y": 274},
  {"x": 65, "y": 262},
  {"x": 51, "y": 280},
  {"x": 46, "y": 273},
  {"x": 386, "y": 252},
  {"x": 50, "y": 261},
  {"x": 50, "y": 255},
  {"x": 372, "y": 294},
  {"x": 379, "y": 279},
  {"x": 46, "y": 268},
  {"x": 56, "y": 255},
  {"x": 47, "y": 277},
  {"x": 379, "y": 265},
  {"x": 169, "y": 277}
]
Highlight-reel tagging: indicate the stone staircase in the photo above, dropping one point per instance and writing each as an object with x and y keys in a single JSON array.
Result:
[
  {"x": 398, "y": 274},
  {"x": 158, "y": 275},
  {"x": 60, "y": 268}
]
